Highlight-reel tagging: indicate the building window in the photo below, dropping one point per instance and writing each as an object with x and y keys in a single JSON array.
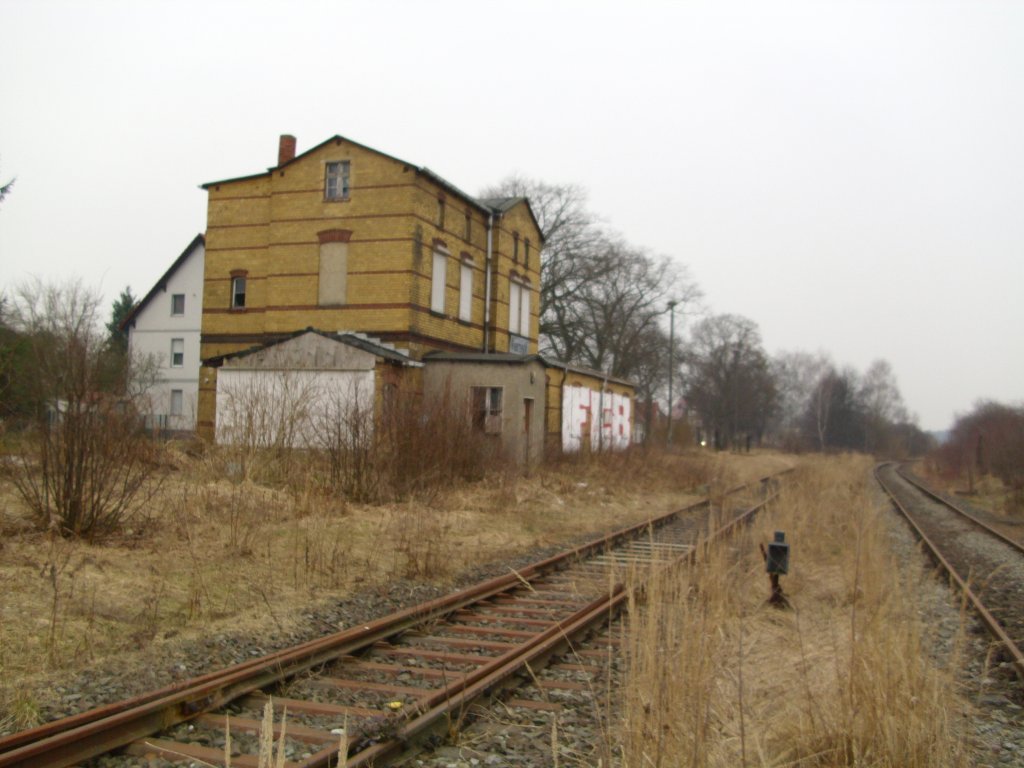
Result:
[
  {"x": 469, "y": 227},
  {"x": 466, "y": 290},
  {"x": 440, "y": 212},
  {"x": 333, "y": 273},
  {"x": 237, "y": 292},
  {"x": 524, "y": 310},
  {"x": 336, "y": 180},
  {"x": 487, "y": 409},
  {"x": 177, "y": 353},
  {"x": 519, "y": 307},
  {"x": 515, "y": 291},
  {"x": 178, "y": 304},
  {"x": 526, "y": 252},
  {"x": 177, "y": 402},
  {"x": 515, "y": 247},
  {"x": 438, "y": 279}
]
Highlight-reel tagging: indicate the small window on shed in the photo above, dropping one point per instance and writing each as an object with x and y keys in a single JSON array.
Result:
[{"x": 487, "y": 403}]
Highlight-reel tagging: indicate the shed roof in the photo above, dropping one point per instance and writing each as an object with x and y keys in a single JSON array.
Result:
[{"x": 358, "y": 340}]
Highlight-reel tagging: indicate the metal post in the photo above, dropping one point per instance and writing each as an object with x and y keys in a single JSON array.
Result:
[{"x": 671, "y": 362}]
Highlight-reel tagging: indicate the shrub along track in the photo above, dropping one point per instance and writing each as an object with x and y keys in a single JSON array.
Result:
[
  {"x": 388, "y": 683},
  {"x": 986, "y": 565}
]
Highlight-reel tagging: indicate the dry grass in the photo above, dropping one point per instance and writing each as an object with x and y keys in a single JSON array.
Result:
[
  {"x": 846, "y": 678},
  {"x": 218, "y": 555}
]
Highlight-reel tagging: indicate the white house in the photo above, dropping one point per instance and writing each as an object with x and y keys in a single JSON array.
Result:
[{"x": 165, "y": 325}]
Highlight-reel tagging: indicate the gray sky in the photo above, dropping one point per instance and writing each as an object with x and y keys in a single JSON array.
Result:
[{"x": 850, "y": 176}]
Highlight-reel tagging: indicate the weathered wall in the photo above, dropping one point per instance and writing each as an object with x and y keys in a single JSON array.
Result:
[
  {"x": 587, "y": 412},
  {"x": 521, "y": 440}
]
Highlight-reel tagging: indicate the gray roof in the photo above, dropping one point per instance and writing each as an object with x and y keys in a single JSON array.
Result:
[{"x": 351, "y": 338}]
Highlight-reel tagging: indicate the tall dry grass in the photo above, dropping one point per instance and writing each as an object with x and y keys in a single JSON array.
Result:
[{"x": 846, "y": 677}]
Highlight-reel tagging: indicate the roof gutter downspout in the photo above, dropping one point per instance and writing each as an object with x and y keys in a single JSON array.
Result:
[
  {"x": 487, "y": 279},
  {"x": 600, "y": 421}
]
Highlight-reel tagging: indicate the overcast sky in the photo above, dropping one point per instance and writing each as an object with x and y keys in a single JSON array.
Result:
[{"x": 850, "y": 176}]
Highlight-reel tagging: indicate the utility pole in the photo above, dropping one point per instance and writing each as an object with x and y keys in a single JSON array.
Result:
[{"x": 671, "y": 362}]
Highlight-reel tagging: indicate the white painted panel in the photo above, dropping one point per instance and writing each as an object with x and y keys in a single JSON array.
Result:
[{"x": 299, "y": 409}]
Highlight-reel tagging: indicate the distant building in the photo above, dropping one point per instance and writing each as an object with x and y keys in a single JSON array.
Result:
[{"x": 165, "y": 325}]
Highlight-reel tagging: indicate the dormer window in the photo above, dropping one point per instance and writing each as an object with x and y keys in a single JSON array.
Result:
[{"x": 336, "y": 180}]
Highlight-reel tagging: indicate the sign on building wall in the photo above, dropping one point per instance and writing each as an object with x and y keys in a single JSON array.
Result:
[{"x": 600, "y": 420}]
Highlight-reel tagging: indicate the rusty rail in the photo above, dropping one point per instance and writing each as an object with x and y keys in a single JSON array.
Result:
[
  {"x": 86, "y": 735},
  {"x": 990, "y": 622}
]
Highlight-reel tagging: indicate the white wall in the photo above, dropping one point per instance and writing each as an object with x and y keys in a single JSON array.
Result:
[
  {"x": 154, "y": 328},
  {"x": 605, "y": 417},
  {"x": 297, "y": 408}
]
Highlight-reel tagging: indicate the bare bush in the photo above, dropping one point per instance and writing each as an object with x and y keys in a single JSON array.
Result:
[
  {"x": 88, "y": 468},
  {"x": 343, "y": 429}
]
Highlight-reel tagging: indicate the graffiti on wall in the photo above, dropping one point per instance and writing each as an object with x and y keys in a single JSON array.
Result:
[{"x": 599, "y": 420}]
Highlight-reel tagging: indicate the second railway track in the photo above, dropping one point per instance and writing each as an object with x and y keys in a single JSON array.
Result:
[{"x": 987, "y": 565}]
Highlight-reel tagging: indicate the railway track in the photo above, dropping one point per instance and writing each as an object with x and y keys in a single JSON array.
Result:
[
  {"x": 374, "y": 690},
  {"x": 987, "y": 565}
]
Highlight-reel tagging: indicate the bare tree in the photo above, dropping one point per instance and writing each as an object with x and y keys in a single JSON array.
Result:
[
  {"x": 729, "y": 379},
  {"x": 603, "y": 302},
  {"x": 882, "y": 406},
  {"x": 343, "y": 428},
  {"x": 796, "y": 376},
  {"x": 90, "y": 467},
  {"x": 268, "y": 411},
  {"x": 572, "y": 240}
]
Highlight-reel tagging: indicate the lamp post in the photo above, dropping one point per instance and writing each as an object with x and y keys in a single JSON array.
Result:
[{"x": 671, "y": 362}]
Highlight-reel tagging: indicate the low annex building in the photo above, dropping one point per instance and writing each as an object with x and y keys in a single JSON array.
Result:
[
  {"x": 300, "y": 390},
  {"x": 343, "y": 236}
]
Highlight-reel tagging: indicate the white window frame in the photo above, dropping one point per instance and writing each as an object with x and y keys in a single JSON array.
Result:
[
  {"x": 438, "y": 280},
  {"x": 336, "y": 180},
  {"x": 466, "y": 290},
  {"x": 514, "y": 305},
  {"x": 524, "y": 309},
  {"x": 177, "y": 353},
  {"x": 519, "y": 307},
  {"x": 488, "y": 406},
  {"x": 175, "y": 312}
]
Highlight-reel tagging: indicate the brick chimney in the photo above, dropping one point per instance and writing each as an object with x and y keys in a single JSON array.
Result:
[{"x": 286, "y": 149}]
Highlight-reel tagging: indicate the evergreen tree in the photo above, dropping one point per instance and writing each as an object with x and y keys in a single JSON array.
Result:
[{"x": 122, "y": 307}]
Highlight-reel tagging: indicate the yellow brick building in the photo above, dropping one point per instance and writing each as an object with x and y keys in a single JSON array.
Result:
[{"x": 345, "y": 238}]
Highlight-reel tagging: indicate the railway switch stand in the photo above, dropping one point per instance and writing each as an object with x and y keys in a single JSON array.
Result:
[{"x": 776, "y": 561}]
